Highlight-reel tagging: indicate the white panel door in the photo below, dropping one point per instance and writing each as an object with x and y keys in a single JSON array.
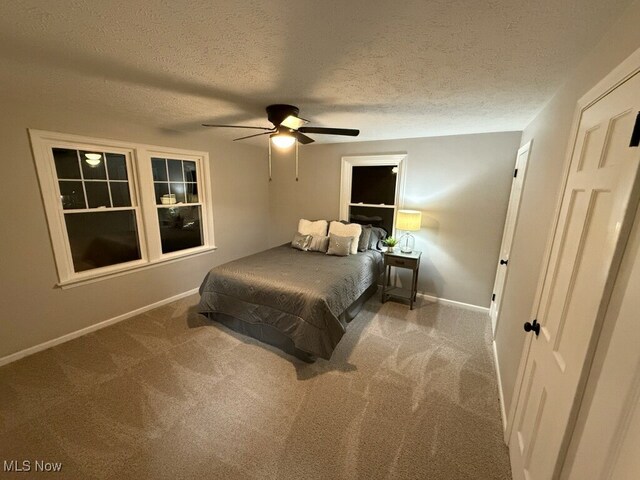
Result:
[
  {"x": 509, "y": 229},
  {"x": 594, "y": 222},
  {"x": 606, "y": 440}
]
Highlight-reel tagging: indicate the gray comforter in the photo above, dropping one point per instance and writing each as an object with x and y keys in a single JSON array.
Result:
[{"x": 301, "y": 294}]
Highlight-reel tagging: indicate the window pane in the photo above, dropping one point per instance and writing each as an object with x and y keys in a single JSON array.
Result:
[
  {"x": 378, "y": 217},
  {"x": 175, "y": 170},
  {"x": 190, "y": 171},
  {"x": 161, "y": 189},
  {"x": 178, "y": 190},
  {"x": 180, "y": 228},
  {"x": 120, "y": 194},
  {"x": 93, "y": 168},
  {"x": 116, "y": 166},
  {"x": 99, "y": 239},
  {"x": 192, "y": 192},
  {"x": 72, "y": 195},
  {"x": 374, "y": 185},
  {"x": 159, "y": 167},
  {"x": 97, "y": 194},
  {"x": 66, "y": 163}
]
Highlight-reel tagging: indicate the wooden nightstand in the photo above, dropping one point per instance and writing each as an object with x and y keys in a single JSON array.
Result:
[{"x": 401, "y": 260}]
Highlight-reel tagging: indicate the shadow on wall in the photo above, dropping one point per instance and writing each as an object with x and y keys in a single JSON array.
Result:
[{"x": 430, "y": 282}]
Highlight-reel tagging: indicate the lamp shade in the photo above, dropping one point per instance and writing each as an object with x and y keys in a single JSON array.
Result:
[{"x": 408, "y": 220}]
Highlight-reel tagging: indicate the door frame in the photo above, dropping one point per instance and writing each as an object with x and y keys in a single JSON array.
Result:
[
  {"x": 620, "y": 74},
  {"x": 497, "y": 303}
]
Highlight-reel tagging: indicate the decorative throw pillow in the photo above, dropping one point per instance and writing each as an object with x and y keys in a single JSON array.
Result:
[
  {"x": 307, "y": 227},
  {"x": 377, "y": 235},
  {"x": 365, "y": 237},
  {"x": 352, "y": 230},
  {"x": 301, "y": 242},
  {"x": 319, "y": 244},
  {"x": 340, "y": 246}
]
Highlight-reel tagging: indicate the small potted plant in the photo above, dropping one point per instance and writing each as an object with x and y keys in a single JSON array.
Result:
[{"x": 390, "y": 242}]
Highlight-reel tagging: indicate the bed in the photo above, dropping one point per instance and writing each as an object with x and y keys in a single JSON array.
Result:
[{"x": 297, "y": 301}]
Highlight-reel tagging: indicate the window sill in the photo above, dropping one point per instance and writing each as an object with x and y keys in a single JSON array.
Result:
[{"x": 77, "y": 282}]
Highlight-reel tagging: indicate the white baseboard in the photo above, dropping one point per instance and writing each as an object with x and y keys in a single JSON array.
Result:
[
  {"x": 91, "y": 328},
  {"x": 500, "y": 391},
  {"x": 444, "y": 301}
]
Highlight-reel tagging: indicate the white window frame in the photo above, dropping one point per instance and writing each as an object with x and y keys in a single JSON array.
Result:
[
  {"x": 348, "y": 162},
  {"x": 140, "y": 177}
]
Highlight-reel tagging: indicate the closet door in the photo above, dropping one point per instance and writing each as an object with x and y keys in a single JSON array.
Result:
[{"x": 596, "y": 214}]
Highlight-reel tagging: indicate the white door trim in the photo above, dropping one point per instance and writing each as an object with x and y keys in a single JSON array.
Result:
[{"x": 623, "y": 72}]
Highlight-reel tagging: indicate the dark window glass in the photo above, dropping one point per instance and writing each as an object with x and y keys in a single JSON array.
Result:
[
  {"x": 373, "y": 185},
  {"x": 93, "y": 169},
  {"x": 161, "y": 189},
  {"x": 72, "y": 195},
  {"x": 180, "y": 228},
  {"x": 175, "y": 171},
  {"x": 66, "y": 163},
  {"x": 99, "y": 239},
  {"x": 120, "y": 194},
  {"x": 178, "y": 190},
  {"x": 190, "y": 171},
  {"x": 97, "y": 194},
  {"x": 116, "y": 166},
  {"x": 378, "y": 217},
  {"x": 192, "y": 192},
  {"x": 159, "y": 167}
]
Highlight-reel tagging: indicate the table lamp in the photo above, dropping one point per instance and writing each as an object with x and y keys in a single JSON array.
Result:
[{"x": 408, "y": 221}]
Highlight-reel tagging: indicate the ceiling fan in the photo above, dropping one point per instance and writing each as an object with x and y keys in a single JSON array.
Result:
[{"x": 288, "y": 127}]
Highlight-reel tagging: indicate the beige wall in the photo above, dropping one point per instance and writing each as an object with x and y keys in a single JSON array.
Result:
[
  {"x": 33, "y": 310},
  {"x": 550, "y": 133},
  {"x": 460, "y": 183}
]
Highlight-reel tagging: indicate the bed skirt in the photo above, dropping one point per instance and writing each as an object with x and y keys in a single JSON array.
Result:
[{"x": 270, "y": 335}]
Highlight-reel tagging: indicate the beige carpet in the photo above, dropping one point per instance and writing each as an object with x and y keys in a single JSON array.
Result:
[{"x": 168, "y": 394}]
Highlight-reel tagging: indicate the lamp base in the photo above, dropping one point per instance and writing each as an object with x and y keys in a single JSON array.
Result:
[{"x": 407, "y": 243}]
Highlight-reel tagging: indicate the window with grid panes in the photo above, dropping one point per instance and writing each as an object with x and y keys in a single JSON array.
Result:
[
  {"x": 99, "y": 215},
  {"x": 371, "y": 191},
  {"x": 115, "y": 206},
  {"x": 175, "y": 185}
]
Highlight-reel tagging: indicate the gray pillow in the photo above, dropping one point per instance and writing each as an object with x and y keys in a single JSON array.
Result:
[
  {"x": 319, "y": 244},
  {"x": 301, "y": 242},
  {"x": 365, "y": 237},
  {"x": 339, "y": 246},
  {"x": 377, "y": 235}
]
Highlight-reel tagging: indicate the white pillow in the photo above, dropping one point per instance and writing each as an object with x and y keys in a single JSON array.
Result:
[
  {"x": 352, "y": 230},
  {"x": 317, "y": 228}
]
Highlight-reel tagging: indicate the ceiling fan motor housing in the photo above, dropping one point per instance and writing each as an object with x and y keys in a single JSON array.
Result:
[{"x": 277, "y": 113}]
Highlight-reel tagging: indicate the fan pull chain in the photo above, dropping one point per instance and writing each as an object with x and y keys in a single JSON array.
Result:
[
  {"x": 269, "y": 159},
  {"x": 296, "y": 160}
]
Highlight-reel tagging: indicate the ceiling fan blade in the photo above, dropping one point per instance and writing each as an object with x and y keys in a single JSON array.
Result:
[
  {"x": 251, "y": 136},
  {"x": 293, "y": 122},
  {"x": 235, "y": 126},
  {"x": 303, "y": 139},
  {"x": 350, "y": 132}
]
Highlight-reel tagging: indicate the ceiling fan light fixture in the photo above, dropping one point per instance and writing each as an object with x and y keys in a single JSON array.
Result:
[{"x": 283, "y": 140}]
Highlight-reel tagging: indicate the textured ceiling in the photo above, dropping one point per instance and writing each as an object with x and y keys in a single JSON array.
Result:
[{"x": 393, "y": 69}]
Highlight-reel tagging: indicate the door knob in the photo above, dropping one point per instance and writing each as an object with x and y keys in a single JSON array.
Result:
[
  {"x": 503, "y": 262},
  {"x": 532, "y": 327}
]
